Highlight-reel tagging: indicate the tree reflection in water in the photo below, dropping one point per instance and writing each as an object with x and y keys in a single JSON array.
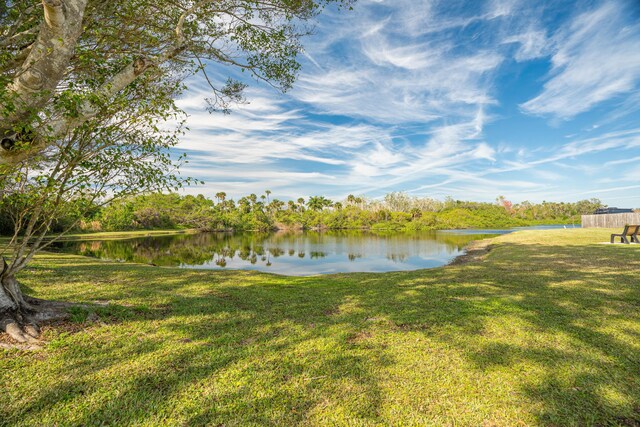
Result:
[{"x": 288, "y": 252}]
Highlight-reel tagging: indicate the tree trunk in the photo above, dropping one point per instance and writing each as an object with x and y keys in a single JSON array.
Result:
[
  {"x": 20, "y": 314},
  {"x": 15, "y": 317}
]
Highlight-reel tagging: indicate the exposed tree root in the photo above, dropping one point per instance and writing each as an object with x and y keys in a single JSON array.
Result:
[
  {"x": 23, "y": 334},
  {"x": 21, "y": 324}
]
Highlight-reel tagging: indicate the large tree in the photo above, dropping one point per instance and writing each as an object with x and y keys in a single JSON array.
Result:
[{"x": 85, "y": 86}]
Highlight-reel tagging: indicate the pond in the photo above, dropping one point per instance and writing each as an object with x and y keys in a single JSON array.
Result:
[{"x": 291, "y": 253}]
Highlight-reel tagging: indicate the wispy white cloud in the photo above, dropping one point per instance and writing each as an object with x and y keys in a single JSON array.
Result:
[
  {"x": 596, "y": 58},
  {"x": 533, "y": 43},
  {"x": 399, "y": 95},
  {"x": 395, "y": 72},
  {"x": 635, "y": 160}
]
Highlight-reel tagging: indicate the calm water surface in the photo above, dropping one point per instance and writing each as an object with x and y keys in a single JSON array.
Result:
[{"x": 292, "y": 253}]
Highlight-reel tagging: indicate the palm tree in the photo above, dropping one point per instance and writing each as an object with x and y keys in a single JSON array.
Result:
[
  {"x": 244, "y": 205},
  {"x": 221, "y": 196},
  {"x": 267, "y": 192},
  {"x": 253, "y": 198},
  {"x": 276, "y": 205},
  {"x": 317, "y": 203},
  {"x": 328, "y": 203}
]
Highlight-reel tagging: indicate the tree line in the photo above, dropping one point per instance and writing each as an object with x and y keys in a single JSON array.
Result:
[{"x": 395, "y": 211}]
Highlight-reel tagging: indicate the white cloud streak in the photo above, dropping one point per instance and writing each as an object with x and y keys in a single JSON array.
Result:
[
  {"x": 393, "y": 97},
  {"x": 596, "y": 58}
]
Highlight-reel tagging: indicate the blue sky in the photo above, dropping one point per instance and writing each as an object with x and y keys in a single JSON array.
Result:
[{"x": 469, "y": 99}]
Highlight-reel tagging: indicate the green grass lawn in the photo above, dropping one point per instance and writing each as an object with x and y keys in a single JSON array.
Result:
[{"x": 544, "y": 331}]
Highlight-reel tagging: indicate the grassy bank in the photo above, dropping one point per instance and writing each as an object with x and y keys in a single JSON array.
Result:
[
  {"x": 113, "y": 235},
  {"x": 106, "y": 235},
  {"x": 544, "y": 331}
]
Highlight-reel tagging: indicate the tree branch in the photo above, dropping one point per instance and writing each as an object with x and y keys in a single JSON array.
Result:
[{"x": 46, "y": 63}]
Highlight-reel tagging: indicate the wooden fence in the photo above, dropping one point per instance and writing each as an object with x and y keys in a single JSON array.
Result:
[{"x": 610, "y": 220}]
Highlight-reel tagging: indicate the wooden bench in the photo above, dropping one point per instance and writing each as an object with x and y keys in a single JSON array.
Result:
[{"x": 629, "y": 230}]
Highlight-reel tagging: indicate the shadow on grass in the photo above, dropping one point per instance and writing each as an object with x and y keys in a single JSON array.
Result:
[{"x": 559, "y": 325}]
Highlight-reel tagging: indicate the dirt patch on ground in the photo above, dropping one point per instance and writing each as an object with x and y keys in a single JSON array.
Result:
[{"x": 475, "y": 251}]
